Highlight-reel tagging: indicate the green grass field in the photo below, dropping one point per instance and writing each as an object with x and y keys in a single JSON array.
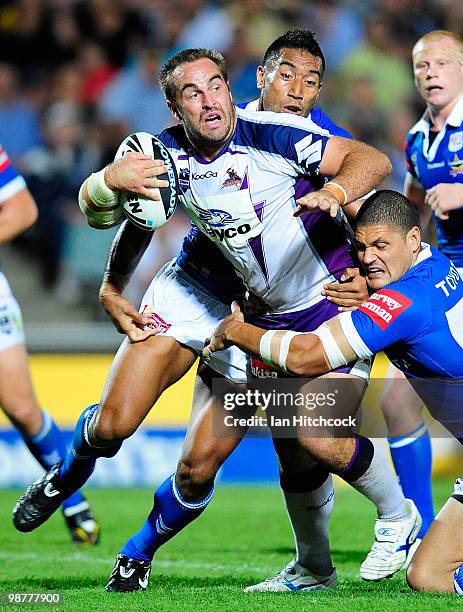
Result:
[{"x": 242, "y": 537}]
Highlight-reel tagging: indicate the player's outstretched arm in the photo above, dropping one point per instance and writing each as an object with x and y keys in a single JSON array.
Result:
[
  {"x": 17, "y": 213},
  {"x": 308, "y": 354},
  {"x": 125, "y": 253},
  {"x": 355, "y": 167}
]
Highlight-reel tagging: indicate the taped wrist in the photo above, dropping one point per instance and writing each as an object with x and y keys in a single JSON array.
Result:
[
  {"x": 103, "y": 218},
  {"x": 99, "y": 192}
]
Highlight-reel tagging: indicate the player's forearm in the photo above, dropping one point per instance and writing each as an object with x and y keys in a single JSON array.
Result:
[
  {"x": 17, "y": 214},
  {"x": 127, "y": 249},
  {"x": 305, "y": 356},
  {"x": 246, "y": 337},
  {"x": 355, "y": 166},
  {"x": 362, "y": 170}
]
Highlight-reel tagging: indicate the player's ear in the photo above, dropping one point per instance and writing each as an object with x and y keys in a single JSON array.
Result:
[
  {"x": 414, "y": 239},
  {"x": 260, "y": 77}
]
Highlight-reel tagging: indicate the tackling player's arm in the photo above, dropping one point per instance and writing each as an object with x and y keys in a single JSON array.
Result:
[
  {"x": 355, "y": 167},
  {"x": 387, "y": 318},
  {"x": 307, "y": 354}
]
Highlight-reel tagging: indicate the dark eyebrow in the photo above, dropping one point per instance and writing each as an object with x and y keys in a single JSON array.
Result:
[
  {"x": 291, "y": 65},
  {"x": 215, "y": 76}
]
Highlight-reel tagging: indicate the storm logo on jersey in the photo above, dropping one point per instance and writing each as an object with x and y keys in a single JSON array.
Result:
[{"x": 215, "y": 217}]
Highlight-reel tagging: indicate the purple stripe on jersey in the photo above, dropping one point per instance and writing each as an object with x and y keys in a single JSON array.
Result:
[
  {"x": 303, "y": 186},
  {"x": 257, "y": 246},
  {"x": 329, "y": 242},
  {"x": 324, "y": 234},
  {"x": 183, "y": 157},
  {"x": 245, "y": 185},
  {"x": 302, "y": 320},
  {"x": 232, "y": 152}
]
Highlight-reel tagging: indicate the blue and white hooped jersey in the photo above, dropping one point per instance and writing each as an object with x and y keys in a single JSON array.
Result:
[
  {"x": 417, "y": 321},
  {"x": 440, "y": 162},
  {"x": 262, "y": 171},
  {"x": 10, "y": 181},
  {"x": 244, "y": 200}
]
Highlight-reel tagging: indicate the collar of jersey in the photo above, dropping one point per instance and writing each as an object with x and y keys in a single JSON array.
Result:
[
  {"x": 253, "y": 105},
  {"x": 455, "y": 119},
  {"x": 425, "y": 253}
]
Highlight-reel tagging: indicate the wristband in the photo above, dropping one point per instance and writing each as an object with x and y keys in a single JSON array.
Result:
[
  {"x": 337, "y": 190},
  {"x": 99, "y": 192}
]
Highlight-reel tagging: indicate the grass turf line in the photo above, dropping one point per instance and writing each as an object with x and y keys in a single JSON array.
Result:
[{"x": 242, "y": 538}]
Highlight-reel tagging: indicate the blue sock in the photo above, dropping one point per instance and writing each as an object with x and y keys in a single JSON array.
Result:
[
  {"x": 170, "y": 514},
  {"x": 80, "y": 460},
  {"x": 412, "y": 458},
  {"x": 49, "y": 446}
]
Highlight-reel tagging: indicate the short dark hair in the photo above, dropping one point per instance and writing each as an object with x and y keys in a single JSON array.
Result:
[
  {"x": 186, "y": 56},
  {"x": 391, "y": 208},
  {"x": 295, "y": 39}
]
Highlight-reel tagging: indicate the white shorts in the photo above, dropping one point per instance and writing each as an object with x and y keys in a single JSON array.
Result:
[
  {"x": 11, "y": 323},
  {"x": 190, "y": 316}
]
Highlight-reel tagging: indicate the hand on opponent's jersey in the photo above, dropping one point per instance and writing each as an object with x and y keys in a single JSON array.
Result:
[
  {"x": 444, "y": 197},
  {"x": 350, "y": 292},
  {"x": 218, "y": 340},
  {"x": 125, "y": 316},
  {"x": 324, "y": 199},
  {"x": 136, "y": 172}
]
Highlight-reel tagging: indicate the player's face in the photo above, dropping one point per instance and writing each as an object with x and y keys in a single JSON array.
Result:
[
  {"x": 385, "y": 254},
  {"x": 438, "y": 68},
  {"x": 291, "y": 83},
  {"x": 204, "y": 105}
]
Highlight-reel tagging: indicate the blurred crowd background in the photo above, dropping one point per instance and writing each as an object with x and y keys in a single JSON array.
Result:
[{"x": 76, "y": 76}]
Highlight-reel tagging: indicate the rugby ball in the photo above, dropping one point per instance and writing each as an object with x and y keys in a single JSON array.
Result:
[{"x": 143, "y": 212}]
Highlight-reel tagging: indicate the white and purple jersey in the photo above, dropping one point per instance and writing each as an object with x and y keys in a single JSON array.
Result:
[
  {"x": 10, "y": 181},
  {"x": 243, "y": 201},
  {"x": 440, "y": 161},
  {"x": 201, "y": 259}
]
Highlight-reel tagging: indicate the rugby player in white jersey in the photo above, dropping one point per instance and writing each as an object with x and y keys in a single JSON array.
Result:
[{"x": 198, "y": 93}]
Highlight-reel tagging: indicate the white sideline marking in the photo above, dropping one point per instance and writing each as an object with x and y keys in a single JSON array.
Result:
[{"x": 78, "y": 557}]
